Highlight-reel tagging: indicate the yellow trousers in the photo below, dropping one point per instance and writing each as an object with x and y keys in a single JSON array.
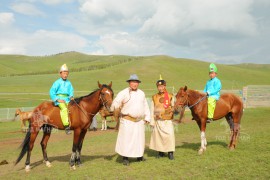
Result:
[
  {"x": 211, "y": 107},
  {"x": 64, "y": 113}
]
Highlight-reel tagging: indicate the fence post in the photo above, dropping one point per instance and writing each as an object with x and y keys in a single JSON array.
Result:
[
  {"x": 7, "y": 113},
  {"x": 245, "y": 93}
]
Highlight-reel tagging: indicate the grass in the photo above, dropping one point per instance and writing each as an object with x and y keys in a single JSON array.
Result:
[
  {"x": 29, "y": 74},
  {"x": 250, "y": 159}
]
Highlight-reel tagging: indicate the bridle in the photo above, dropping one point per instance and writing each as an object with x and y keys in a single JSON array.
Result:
[
  {"x": 191, "y": 106},
  {"x": 104, "y": 102},
  {"x": 100, "y": 98}
]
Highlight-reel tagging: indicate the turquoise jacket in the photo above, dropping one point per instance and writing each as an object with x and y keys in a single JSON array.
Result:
[
  {"x": 212, "y": 87},
  {"x": 61, "y": 89}
]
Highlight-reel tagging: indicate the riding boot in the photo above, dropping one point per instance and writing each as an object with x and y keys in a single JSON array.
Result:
[
  {"x": 160, "y": 154},
  {"x": 67, "y": 130},
  {"x": 209, "y": 120},
  {"x": 125, "y": 161},
  {"x": 139, "y": 159},
  {"x": 170, "y": 155}
]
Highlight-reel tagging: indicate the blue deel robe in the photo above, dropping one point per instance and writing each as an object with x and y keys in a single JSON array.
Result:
[
  {"x": 213, "y": 87},
  {"x": 63, "y": 87}
]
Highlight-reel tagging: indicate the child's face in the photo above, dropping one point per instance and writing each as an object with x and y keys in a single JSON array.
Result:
[
  {"x": 64, "y": 74},
  {"x": 212, "y": 75}
]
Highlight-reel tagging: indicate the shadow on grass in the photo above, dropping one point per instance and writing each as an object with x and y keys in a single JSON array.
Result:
[
  {"x": 84, "y": 158},
  {"x": 196, "y": 146}
]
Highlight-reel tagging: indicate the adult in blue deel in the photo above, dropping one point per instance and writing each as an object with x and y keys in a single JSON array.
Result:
[
  {"x": 212, "y": 88},
  {"x": 61, "y": 93}
]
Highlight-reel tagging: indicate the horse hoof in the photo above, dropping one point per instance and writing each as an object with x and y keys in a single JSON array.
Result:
[
  {"x": 73, "y": 167},
  {"x": 200, "y": 152},
  {"x": 48, "y": 164},
  {"x": 231, "y": 148},
  {"x": 27, "y": 168}
]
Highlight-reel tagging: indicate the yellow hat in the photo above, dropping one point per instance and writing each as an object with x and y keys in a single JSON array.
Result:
[{"x": 63, "y": 68}]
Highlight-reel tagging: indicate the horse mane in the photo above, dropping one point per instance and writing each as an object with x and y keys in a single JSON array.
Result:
[
  {"x": 79, "y": 99},
  {"x": 194, "y": 93}
]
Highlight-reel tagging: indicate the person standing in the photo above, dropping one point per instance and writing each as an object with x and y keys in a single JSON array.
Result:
[
  {"x": 61, "y": 93},
  {"x": 134, "y": 113},
  {"x": 212, "y": 90},
  {"x": 162, "y": 137}
]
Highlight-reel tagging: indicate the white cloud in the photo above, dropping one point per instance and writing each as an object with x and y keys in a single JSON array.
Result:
[
  {"x": 223, "y": 30},
  {"x": 54, "y": 2},
  {"x": 51, "y": 42},
  {"x": 6, "y": 18},
  {"x": 27, "y": 9}
]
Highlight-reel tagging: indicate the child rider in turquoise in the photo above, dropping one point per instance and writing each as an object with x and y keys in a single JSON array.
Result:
[
  {"x": 212, "y": 89},
  {"x": 61, "y": 93}
]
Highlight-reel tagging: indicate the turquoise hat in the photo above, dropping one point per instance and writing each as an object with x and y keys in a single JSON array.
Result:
[{"x": 213, "y": 68}]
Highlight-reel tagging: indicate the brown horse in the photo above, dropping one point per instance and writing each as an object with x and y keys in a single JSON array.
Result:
[
  {"x": 229, "y": 106},
  {"x": 104, "y": 113},
  {"x": 24, "y": 116},
  {"x": 46, "y": 116}
]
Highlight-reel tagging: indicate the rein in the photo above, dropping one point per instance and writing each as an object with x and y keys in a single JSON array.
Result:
[
  {"x": 197, "y": 102},
  {"x": 86, "y": 113},
  {"x": 191, "y": 106}
]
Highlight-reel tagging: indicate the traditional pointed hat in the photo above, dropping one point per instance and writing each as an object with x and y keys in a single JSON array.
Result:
[
  {"x": 63, "y": 68},
  {"x": 213, "y": 68},
  {"x": 161, "y": 81}
]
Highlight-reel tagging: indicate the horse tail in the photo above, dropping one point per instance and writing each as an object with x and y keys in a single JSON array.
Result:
[{"x": 24, "y": 145}]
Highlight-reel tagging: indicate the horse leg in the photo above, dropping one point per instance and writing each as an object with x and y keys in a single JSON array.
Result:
[
  {"x": 46, "y": 135},
  {"x": 231, "y": 124},
  {"x": 236, "y": 131},
  {"x": 78, "y": 152},
  {"x": 202, "y": 126},
  {"x": 105, "y": 124},
  {"x": 31, "y": 146},
  {"x": 236, "y": 128},
  {"x": 76, "y": 138}
]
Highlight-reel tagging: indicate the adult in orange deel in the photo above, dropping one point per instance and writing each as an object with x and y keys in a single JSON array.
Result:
[
  {"x": 61, "y": 93},
  {"x": 162, "y": 137}
]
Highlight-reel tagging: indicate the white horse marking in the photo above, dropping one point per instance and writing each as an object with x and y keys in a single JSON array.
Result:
[{"x": 107, "y": 91}]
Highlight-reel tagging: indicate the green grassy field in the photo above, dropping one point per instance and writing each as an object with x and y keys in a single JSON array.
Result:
[
  {"x": 250, "y": 159},
  {"x": 27, "y": 74}
]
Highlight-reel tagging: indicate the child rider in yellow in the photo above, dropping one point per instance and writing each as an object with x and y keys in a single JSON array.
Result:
[
  {"x": 61, "y": 93},
  {"x": 212, "y": 89}
]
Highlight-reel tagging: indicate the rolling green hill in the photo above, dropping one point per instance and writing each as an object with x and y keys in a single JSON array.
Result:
[{"x": 29, "y": 74}]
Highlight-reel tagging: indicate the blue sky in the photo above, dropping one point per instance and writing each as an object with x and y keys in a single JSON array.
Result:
[{"x": 221, "y": 31}]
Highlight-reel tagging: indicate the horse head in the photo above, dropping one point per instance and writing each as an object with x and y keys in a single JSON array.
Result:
[
  {"x": 17, "y": 112},
  {"x": 106, "y": 95},
  {"x": 181, "y": 101}
]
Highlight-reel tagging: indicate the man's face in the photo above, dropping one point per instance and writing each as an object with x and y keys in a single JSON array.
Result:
[
  {"x": 133, "y": 85},
  {"x": 64, "y": 74},
  {"x": 212, "y": 75},
  {"x": 161, "y": 88}
]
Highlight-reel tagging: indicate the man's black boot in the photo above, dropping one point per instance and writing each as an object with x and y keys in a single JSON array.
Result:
[
  {"x": 160, "y": 154},
  {"x": 125, "y": 161},
  {"x": 170, "y": 155}
]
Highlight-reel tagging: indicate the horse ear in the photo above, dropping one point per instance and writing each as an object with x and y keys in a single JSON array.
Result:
[
  {"x": 185, "y": 88},
  {"x": 110, "y": 85},
  {"x": 99, "y": 85}
]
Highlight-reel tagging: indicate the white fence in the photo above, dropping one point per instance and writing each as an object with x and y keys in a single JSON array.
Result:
[
  {"x": 252, "y": 96},
  {"x": 8, "y": 114}
]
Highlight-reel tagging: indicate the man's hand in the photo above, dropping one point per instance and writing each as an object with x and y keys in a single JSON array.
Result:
[
  {"x": 72, "y": 98},
  {"x": 146, "y": 122}
]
